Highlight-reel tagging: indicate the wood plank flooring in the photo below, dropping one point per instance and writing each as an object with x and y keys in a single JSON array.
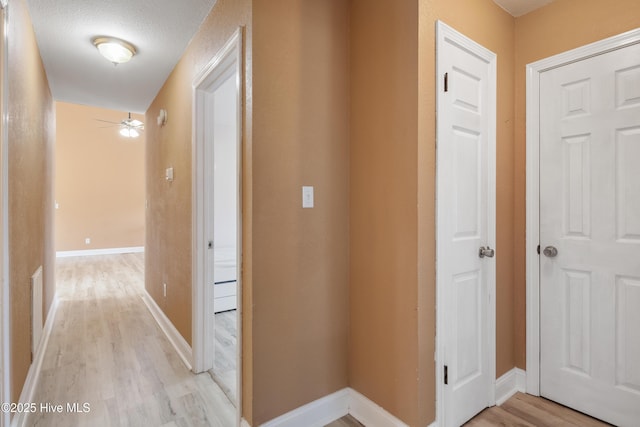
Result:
[
  {"x": 106, "y": 350},
  {"x": 224, "y": 362},
  {"x": 347, "y": 421},
  {"x": 521, "y": 410},
  {"x": 524, "y": 410}
]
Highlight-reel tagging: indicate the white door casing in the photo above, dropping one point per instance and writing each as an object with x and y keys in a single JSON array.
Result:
[
  {"x": 5, "y": 380},
  {"x": 227, "y": 62},
  {"x": 466, "y": 136},
  {"x": 534, "y": 72},
  {"x": 590, "y": 213}
]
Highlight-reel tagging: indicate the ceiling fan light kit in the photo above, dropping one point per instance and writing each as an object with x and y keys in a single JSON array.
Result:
[
  {"x": 114, "y": 50},
  {"x": 129, "y": 128},
  {"x": 129, "y": 132}
]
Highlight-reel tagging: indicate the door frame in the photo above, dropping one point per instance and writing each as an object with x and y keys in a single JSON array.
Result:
[
  {"x": 534, "y": 72},
  {"x": 5, "y": 346},
  {"x": 443, "y": 32},
  {"x": 216, "y": 71}
]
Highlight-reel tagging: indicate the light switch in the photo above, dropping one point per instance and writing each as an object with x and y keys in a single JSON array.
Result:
[
  {"x": 168, "y": 174},
  {"x": 307, "y": 196}
]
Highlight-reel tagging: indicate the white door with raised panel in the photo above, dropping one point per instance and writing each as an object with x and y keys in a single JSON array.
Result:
[
  {"x": 590, "y": 236},
  {"x": 465, "y": 226}
]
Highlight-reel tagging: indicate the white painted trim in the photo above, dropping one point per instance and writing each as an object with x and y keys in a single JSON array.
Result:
[
  {"x": 509, "y": 384},
  {"x": 445, "y": 32},
  {"x": 534, "y": 71},
  {"x": 107, "y": 251},
  {"x": 33, "y": 375},
  {"x": 230, "y": 55},
  {"x": 244, "y": 423},
  {"x": 335, "y": 406},
  {"x": 369, "y": 413},
  {"x": 175, "y": 338},
  {"x": 5, "y": 331},
  {"x": 318, "y": 413}
]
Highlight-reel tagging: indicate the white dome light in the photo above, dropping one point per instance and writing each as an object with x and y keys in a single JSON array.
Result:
[{"x": 115, "y": 50}]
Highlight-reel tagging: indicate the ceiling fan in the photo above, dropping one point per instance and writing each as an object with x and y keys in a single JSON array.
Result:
[{"x": 129, "y": 128}]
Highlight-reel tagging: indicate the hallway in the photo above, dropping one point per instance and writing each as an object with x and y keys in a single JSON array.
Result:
[{"x": 106, "y": 350}]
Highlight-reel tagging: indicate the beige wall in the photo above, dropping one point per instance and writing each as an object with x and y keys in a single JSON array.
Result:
[
  {"x": 295, "y": 261},
  {"x": 392, "y": 202},
  {"x": 300, "y": 256},
  {"x": 99, "y": 180},
  {"x": 340, "y": 95},
  {"x": 168, "y": 216},
  {"x": 384, "y": 344},
  {"x": 31, "y": 140},
  {"x": 558, "y": 27}
]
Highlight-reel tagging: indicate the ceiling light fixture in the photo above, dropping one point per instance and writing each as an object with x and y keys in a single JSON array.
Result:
[
  {"x": 129, "y": 132},
  {"x": 115, "y": 50}
]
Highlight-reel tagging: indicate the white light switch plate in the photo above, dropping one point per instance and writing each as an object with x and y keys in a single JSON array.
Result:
[{"x": 307, "y": 196}]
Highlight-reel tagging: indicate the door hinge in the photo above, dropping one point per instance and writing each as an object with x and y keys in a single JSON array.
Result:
[
  {"x": 446, "y": 375},
  {"x": 446, "y": 82},
  {"x": 538, "y": 249}
]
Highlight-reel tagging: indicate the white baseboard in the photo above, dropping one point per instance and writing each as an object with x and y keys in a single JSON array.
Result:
[
  {"x": 33, "y": 376},
  {"x": 318, "y": 413},
  {"x": 244, "y": 423},
  {"x": 107, "y": 251},
  {"x": 175, "y": 338},
  {"x": 335, "y": 406},
  {"x": 509, "y": 384},
  {"x": 370, "y": 413}
]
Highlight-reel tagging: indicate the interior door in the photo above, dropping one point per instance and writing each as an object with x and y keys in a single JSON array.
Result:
[
  {"x": 466, "y": 224},
  {"x": 590, "y": 236}
]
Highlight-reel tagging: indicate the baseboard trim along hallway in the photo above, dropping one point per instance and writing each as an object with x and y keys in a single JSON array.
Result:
[
  {"x": 107, "y": 251},
  {"x": 349, "y": 402},
  {"x": 509, "y": 384},
  {"x": 335, "y": 406},
  {"x": 33, "y": 376},
  {"x": 181, "y": 346}
]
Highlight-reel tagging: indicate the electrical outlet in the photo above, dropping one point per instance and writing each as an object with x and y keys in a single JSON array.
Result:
[
  {"x": 87, "y": 241},
  {"x": 164, "y": 289}
]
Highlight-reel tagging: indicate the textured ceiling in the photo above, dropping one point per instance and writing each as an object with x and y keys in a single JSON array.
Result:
[
  {"x": 521, "y": 7},
  {"x": 159, "y": 29}
]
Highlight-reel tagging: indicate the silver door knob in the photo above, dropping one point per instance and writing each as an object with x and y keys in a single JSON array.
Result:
[
  {"x": 550, "y": 251},
  {"x": 486, "y": 252}
]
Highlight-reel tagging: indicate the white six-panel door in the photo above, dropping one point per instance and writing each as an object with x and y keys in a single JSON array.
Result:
[
  {"x": 465, "y": 224},
  {"x": 590, "y": 214}
]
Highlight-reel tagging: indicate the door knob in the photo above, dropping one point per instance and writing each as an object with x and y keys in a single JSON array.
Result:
[
  {"x": 550, "y": 251},
  {"x": 486, "y": 252}
]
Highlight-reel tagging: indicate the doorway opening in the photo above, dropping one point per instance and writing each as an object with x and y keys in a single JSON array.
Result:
[{"x": 217, "y": 239}]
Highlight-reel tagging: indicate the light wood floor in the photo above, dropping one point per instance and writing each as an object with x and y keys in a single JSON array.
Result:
[
  {"x": 106, "y": 350},
  {"x": 521, "y": 410},
  {"x": 524, "y": 410},
  {"x": 224, "y": 363},
  {"x": 347, "y": 421}
]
